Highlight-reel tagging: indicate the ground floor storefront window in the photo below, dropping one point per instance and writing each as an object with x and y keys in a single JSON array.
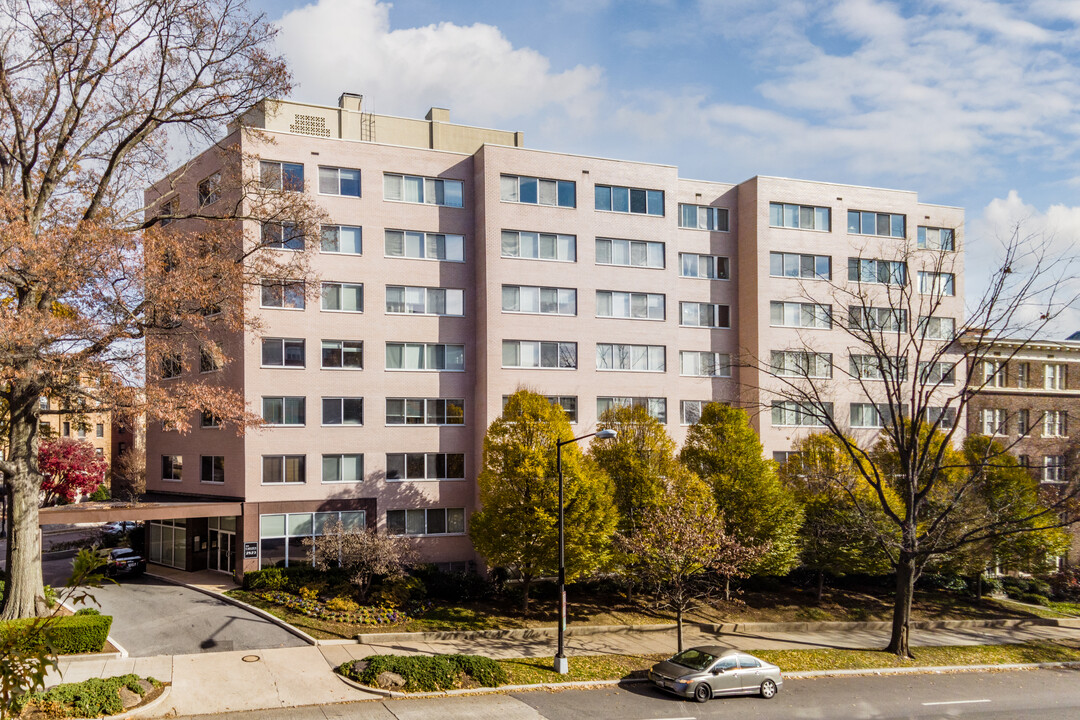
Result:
[
  {"x": 281, "y": 536},
  {"x": 168, "y": 543}
]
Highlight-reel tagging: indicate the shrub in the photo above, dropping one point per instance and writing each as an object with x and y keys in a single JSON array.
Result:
[
  {"x": 1065, "y": 584},
  {"x": 267, "y": 579},
  {"x": 292, "y": 578},
  {"x": 426, "y": 673},
  {"x": 943, "y": 581},
  {"x": 71, "y": 635},
  {"x": 309, "y": 593},
  {"x": 455, "y": 586},
  {"x": 483, "y": 670},
  {"x": 1034, "y": 599},
  {"x": 88, "y": 611},
  {"x": 340, "y": 604},
  {"x": 89, "y": 699},
  {"x": 101, "y": 494},
  {"x": 399, "y": 591}
]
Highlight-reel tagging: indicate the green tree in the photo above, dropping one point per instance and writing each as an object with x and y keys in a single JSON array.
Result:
[
  {"x": 835, "y": 538},
  {"x": 758, "y": 509},
  {"x": 517, "y": 527}
]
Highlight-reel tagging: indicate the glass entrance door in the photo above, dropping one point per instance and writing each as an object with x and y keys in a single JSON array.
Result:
[{"x": 222, "y": 551}]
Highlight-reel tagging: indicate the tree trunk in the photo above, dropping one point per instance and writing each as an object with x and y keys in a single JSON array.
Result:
[
  {"x": 678, "y": 627},
  {"x": 727, "y": 588},
  {"x": 820, "y": 585},
  {"x": 979, "y": 587},
  {"x": 25, "y": 596},
  {"x": 905, "y": 589},
  {"x": 526, "y": 582}
]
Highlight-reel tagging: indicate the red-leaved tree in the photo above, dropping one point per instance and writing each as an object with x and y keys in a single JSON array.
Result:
[{"x": 67, "y": 468}]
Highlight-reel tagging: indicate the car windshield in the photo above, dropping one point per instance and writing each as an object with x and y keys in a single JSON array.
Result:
[{"x": 694, "y": 659}]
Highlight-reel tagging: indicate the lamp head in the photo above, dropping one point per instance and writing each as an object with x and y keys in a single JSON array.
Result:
[{"x": 607, "y": 434}]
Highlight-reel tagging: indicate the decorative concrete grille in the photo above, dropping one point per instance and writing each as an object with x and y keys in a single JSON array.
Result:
[{"x": 309, "y": 125}]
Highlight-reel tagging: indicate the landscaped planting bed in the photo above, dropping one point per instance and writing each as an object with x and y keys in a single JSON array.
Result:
[
  {"x": 361, "y": 615},
  {"x": 89, "y": 699}
]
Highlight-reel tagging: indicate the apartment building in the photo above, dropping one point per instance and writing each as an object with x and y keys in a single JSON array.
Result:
[{"x": 458, "y": 266}]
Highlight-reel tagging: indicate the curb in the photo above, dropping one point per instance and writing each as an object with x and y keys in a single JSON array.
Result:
[
  {"x": 90, "y": 656},
  {"x": 806, "y": 674},
  {"x": 244, "y": 606},
  {"x": 508, "y": 633},
  {"x": 136, "y": 711}
]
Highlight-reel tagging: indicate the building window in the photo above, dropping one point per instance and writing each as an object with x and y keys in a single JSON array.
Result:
[
  {"x": 1023, "y": 422},
  {"x": 432, "y": 521},
  {"x": 946, "y": 416},
  {"x": 800, "y": 363},
  {"x": 704, "y": 364},
  {"x": 886, "y": 272},
  {"x": 787, "y": 412},
  {"x": 171, "y": 365},
  {"x": 630, "y": 253},
  {"x": 877, "y": 319},
  {"x": 286, "y": 294},
  {"x": 706, "y": 267},
  {"x": 284, "y": 469},
  {"x": 425, "y": 466},
  {"x": 172, "y": 468},
  {"x": 169, "y": 210},
  {"x": 538, "y": 191},
  {"x": 1055, "y": 423},
  {"x": 208, "y": 419},
  {"x": 213, "y": 469},
  {"x": 994, "y": 421},
  {"x": 568, "y": 404},
  {"x": 807, "y": 267},
  {"x": 407, "y": 300},
  {"x": 802, "y": 217},
  {"x": 935, "y": 238},
  {"x": 66, "y": 432},
  {"x": 629, "y": 200},
  {"x": 937, "y": 328},
  {"x": 1023, "y": 374},
  {"x": 343, "y": 411},
  {"x": 1054, "y": 376},
  {"x": 993, "y": 373},
  {"x": 935, "y": 283},
  {"x": 343, "y": 297},
  {"x": 868, "y": 415},
  {"x": 282, "y": 537},
  {"x": 347, "y": 468},
  {"x": 284, "y": 411},
  {"x": 342, "y": 239},
  {"x": 282, "y": 352},
  {"x": 81, "y": 432},
  {"x": 210, "y": 190},
  {"x": 630, "y": 305},
  {"x": 99, "y": 430},
  {"x": 539, "y": 300},
  {"x": 690, "y": 411},
  {"x": 537, "y": 354},
  {"x": 45, "y": 428},
  {"x": 343, "y": 354},
  {"x": 425, "y": 411},
  {"x": 802, "y": 315},
  {"x": 701, "y": 217},
  {"x": 425, "y": 246},
  {"x": 707, "y": 315},
  {"x": 425, "y": 356},
  {"x": 1053, "y": 468},
  {"x": 655, "y": 406},
  {"x": 634, "y": 358},
  {"x": 339, "y": 181},
  {"x": 43, "y": 403},
  {"x": 874, "y": 223},
  {"x": 209, "y": 358},
  {"x": 937, "y": 373},
  {"x": 281, "y": 175},
  {"x": 99, "y": 452},
  {"x": 539, "y": 246},
  {"x": 873, "y": 367},
  {"x": 282, "y": 236},
  {"x": 430, "y": 191}
]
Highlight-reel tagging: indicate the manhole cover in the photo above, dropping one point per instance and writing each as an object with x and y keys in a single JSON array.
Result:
[{"x": 250, "y": 658}]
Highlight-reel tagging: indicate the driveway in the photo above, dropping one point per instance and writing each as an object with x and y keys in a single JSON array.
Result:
[{"x": 153, "y": 617}]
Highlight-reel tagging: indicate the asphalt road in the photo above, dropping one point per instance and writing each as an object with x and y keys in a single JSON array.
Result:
[
  {"x": 1016, "y": 695},
  {"x": 153, "y": 617}
]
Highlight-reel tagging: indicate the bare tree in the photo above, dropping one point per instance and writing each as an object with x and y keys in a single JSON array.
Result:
[
  {"x": 912, "y": 349},
  {"x": 97, "y": 287},
  {"x": 364, "y": 553}
]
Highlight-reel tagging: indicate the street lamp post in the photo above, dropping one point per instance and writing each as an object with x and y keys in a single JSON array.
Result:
[{"x": 562, "y": 665}]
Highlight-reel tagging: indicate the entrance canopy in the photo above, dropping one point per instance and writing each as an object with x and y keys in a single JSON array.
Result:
[{"x": 100, "y": 512}]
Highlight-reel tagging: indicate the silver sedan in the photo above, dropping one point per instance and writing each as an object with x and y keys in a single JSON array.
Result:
[{"x": 708, "y": 671}]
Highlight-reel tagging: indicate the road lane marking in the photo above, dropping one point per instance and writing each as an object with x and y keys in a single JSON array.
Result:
[{"x": 958, "y": 702}]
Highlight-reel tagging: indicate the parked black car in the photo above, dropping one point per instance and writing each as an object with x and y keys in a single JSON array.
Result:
[{"x": 124, "y": 561}]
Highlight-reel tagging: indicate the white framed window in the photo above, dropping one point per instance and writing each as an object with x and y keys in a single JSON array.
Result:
[
  {"x": 172, "y": 468},
  {"x": 284, "y": 470},
  {"x": 868, "y": 415},
  {"x": 344, "y": 468},
  {"x": 568, "y": 403},
  {"x": 342, "y": 239},
  {"x": 704, "y": 364},
  {"x": 801, "y": 363},
  {"x": 931, "y": 238},
  {"x": 936, "y": 283},
  {"x": 539, "y": 354},
  {"x": 539, "y": 246},
  {"x": 409, "y": 300},
  {"x": 632, "y": 358},
  {"x": 706, "y": 267},
  {"x": 275, "y": 175},
  {"x": 429, "y": 521},
  {"x": 343, "y": 354},
  {"x": 284, "y": 411},
  {"x": 1023, "y": 374},
  {"x": 339, "y": 181},
  {"x": 937, "y": 373},
  {"x": 613, "y": 198},
  {"x": 1054, "y": 375},
  {"x": 1023, "y": 422},
  {"x": 790, "y": 413},
  {"x": 212, "y": 469},
  {"x": 630, "y": 253},
  {"x": 282, "y": 236},
  {"x": 343, "y": 411},
  {"x": 800, "y": 315},
  {"x": 425, "y": 466},
  {"x": 655, "y": 406},
  {"x": 630, "y": 305},
  {"x": 802, "y": 217},
  {"x": 994, "y": 421},
  {"x": 947, "y": 416},
  {"x": 539, "y": 300},
  {"x": 884, "y": 272},
  {"x": 703, "y": 217},
  {"x": 425, "y": 411},
  {"x": 210, "y": 190},
  {"x": 937, "y": 328},
  {"x": 1055, "y": 423},
  {"x": 426, "y": 190},
  {"x": 877, "y": 319},
  {"x": 343, "y": 297},
  {"x": 282, "y": 537},
  {"x": 425, "y": 356},
  {"x": 283, "y": 352},
  {"x": 690, "y": 411},
  {"x": 993, "y": 373},
  {"x": 425, "y": 246},
  {"x": 872, "y": 367},
  {"x": 283, "y": 294},
  {"x": 706, "y": 315},
  {"x": 538, "y": 191},
  {"x": 794, "y": 265},
  {"x": 877, "y": 223},
  {"x": 1053, "y": 468}
]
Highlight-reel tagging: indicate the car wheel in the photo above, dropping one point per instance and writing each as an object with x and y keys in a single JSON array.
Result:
[
  {"x": 768, "y": 689},
  {"x": 702, "y": 693}
]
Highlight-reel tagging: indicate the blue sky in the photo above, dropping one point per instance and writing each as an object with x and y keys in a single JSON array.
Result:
[{"x": 968, "y": 102}]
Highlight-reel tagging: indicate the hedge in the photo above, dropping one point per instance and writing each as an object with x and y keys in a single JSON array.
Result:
[
  {"x": 424, "y": 673},
  {"x": 69, "y": 635}
]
